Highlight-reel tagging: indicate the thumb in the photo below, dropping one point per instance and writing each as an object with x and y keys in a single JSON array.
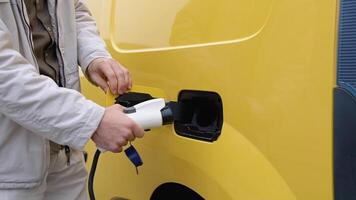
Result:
[{"x": 118, "y": 107}]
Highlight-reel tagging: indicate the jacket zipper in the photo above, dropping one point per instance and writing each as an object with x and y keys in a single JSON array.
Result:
[
  {"x": 62, "y": 74},
  {"x": 63, "y": 78},
  {"x": 28, "y": 34},
  {"x": 29, "y": 39}
]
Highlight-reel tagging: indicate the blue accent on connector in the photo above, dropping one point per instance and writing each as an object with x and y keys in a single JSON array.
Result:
[{"x": 133, "y": 155}]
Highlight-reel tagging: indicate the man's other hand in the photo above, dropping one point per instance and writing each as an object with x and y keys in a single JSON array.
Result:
[
  {"x": 107, "y": 73},
  {"x": 116, "y": 130}
]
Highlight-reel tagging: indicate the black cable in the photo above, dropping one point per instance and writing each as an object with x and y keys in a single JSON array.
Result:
[{"x": 92, "y": 174}]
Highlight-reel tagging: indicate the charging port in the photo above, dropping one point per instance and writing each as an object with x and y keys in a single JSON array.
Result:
[{"x": 201, "y": 115}]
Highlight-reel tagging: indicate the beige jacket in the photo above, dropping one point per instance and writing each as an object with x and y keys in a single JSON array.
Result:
[{"x": 33, "y": 109}]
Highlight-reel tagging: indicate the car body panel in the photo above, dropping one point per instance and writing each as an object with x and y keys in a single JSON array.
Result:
[{"x": 275, "y": 76}]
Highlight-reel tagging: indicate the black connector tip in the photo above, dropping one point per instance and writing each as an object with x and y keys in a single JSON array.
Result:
[{"x": 167, "y": 115}]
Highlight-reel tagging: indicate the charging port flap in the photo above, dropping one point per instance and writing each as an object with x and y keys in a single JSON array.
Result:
[
  {"x": 201, "y": 115},
  {"x": 132, "y": 98}
]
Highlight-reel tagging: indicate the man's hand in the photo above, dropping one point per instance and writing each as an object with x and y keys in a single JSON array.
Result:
[
  {"x": 115, "y": 130},
  {"x": 107, "y": 73}
]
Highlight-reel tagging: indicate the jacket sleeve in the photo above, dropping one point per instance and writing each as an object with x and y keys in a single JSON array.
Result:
[
  {"x": 36, "y": 102},
  {"x": 90, "y": 45}
]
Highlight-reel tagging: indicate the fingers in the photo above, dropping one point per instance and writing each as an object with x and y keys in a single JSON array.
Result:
[
  {"x": 116, "y": 130},
  {"x": 111, "y": 79},
  {"x": 123, "y": 76},
  {"x": 129, "y": 136},
  {"x": 100, "y": 82},
  {"x": 115, "y": 149},
  {"x": 137, "y": 130},
  {"x": 116, "y": 77},
  {"x": 118, "y": 145},
  {"x": 130, "y": 82},
  {"x": 122, "y": 142},
  {"x": 121, "y": 82},
  {"x": 103, "y": 144}
]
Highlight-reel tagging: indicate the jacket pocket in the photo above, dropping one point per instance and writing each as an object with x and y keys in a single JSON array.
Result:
[{"x": 23, "y": 155}]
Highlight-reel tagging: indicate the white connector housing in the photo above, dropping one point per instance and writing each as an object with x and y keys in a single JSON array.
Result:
[{"x": 148, "y": 114}]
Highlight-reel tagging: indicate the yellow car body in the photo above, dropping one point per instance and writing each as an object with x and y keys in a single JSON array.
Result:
[{"x": 273, "y": 62}]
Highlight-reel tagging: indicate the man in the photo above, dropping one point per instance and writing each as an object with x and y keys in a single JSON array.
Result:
[{"x": 44, "y": 121}]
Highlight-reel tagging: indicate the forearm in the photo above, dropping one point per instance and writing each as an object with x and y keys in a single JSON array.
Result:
[
  {"x": 90, "y": 45},
  {"x": 39, "y": 105}
]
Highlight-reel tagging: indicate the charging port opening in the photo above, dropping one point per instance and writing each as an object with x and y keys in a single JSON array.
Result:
[{"x": 201, "y": 115}]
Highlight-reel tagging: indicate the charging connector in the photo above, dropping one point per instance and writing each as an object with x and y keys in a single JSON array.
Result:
[{"x": 149, "y": 114}]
